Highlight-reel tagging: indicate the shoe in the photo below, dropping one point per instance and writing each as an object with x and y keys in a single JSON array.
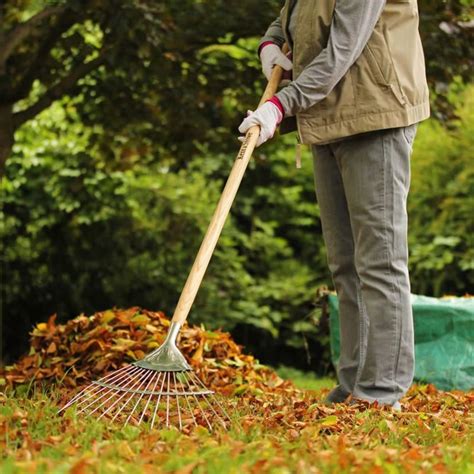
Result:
[
  {"x": 396, "y": 407},
  {"x": 336, "y": 395}
]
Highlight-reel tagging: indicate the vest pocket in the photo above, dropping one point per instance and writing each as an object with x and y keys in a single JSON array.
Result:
[
  {"x": 380, "y": 63},
  {"x": 375, "y": 68},
  {"x": 395, "y": 85}
]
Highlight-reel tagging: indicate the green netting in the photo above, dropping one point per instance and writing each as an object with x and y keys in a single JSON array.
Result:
[{"x": 444, "y": 340}]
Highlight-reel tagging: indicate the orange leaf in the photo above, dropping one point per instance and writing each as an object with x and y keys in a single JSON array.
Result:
[{"x": 52, "y": 348}]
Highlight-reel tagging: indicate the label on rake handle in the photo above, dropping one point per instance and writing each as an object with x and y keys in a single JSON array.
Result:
[{"x": 245, "y": 145}]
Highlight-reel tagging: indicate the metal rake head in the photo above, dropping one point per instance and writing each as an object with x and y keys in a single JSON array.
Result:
[{"x": 135, "y": 395}]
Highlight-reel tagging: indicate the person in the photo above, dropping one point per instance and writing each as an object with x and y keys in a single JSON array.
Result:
[{"x": 357, "y": 93}]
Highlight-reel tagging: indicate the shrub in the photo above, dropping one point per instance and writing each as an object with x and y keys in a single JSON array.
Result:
[
  {"x": 441, "y": 203},
  {"x": 81, "y": 236}
]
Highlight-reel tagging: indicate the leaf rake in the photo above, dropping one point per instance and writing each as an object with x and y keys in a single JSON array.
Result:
[{"x": 161, "y": 389}]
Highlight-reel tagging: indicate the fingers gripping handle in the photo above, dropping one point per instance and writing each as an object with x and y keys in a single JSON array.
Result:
[
  {"x": 270, "y": 90},
  {"x": 274, "y": 82},
  {"x": 214, "y": 230}
]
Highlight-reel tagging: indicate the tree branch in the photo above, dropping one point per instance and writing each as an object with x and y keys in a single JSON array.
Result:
[
  {"x": 41, "y": 58},
  {"x": 22, "y": 31},
  {"x": 58, "y": 90}
]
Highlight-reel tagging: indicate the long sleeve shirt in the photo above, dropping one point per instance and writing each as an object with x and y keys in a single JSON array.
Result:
[{"x": 352, "y": 25}]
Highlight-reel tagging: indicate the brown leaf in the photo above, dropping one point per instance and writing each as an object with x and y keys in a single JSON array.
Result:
[
  {"x": 51, "y": 348},
  {"x": 188, "y": 469},
  {"x": 81, "y": 467}
]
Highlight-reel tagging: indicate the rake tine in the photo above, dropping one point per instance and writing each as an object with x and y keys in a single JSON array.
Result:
[
  {"x": 158, "y": 401},
  {"x": 215, "y": 399},
  {"x": 115, "y": 391},
  {"x": 187, "y": 401},
  {"x": 150, "y": 397},
  {"x": 117, "y": 381},
  {"x": 214, "y": 411},
  {"x": 136, "y": 384},
  {"x": 139, "y": 398},
  {"x": 195, "y": 379},
  {"x": 199, "y": 405},
  {"x": 109, "y": 377},
  {"x": 108, "y": 390},
  {"x": 76, "y": 397},
  {"x": 177, "y": 402},
  {"x": 168, "y": 401},
  {"x": 85, "y": 391},
  {"x": 94, "y": 398}
]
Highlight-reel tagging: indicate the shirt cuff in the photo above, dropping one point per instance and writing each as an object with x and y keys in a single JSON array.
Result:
[
  {"x": 262, "y": 45},
  {"x": 276, "y": 101},
  {"x": 285, "y": 98}
]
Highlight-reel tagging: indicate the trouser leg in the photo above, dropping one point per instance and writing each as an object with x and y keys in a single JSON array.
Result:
[
  {"x": 339, "y": 242},
  {"x": 375, "y": 171}
]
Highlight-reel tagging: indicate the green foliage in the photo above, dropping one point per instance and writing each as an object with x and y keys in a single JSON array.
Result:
[
  {"x": 153, "y": 74},
  {"x": 447, "y": 35},
  {"x": 441, "y": 203},
  {"x": 80, "y": 237}
]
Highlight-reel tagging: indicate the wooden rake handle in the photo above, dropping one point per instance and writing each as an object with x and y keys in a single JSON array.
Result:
[{"x": 213, "y": 233}]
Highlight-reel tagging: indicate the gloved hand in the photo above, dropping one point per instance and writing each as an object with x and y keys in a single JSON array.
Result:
[
  {"x": 270, "y": 55},
  {"x": 268, "y": 116}
]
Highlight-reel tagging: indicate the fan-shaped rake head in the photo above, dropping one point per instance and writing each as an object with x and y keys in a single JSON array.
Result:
[{"x": 135, "y": 395}]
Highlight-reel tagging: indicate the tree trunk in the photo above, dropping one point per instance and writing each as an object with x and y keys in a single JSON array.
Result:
[{"x": 6, "y": 135}]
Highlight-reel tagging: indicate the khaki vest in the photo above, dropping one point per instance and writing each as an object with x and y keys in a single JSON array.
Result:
[{"x": 385, "y": 88}]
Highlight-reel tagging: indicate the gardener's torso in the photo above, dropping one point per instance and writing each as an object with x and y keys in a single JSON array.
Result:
[{"x": 385, "y": 88}]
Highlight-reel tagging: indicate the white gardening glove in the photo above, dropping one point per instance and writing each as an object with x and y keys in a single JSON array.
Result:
[
  {"x": 270, "y": 55},
  {"x": 268, "y": 116}
]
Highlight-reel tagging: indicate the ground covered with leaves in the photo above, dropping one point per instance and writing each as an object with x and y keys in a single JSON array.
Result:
[{"x": 278, "y": 426}]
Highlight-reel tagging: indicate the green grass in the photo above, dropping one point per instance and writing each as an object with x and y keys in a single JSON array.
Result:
[
  {"x": 34, "y": 439},
  {"x": 305, "y": 380}
]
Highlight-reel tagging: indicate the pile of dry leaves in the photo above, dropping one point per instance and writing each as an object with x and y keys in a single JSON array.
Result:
[{"x": 86, "y": 348}]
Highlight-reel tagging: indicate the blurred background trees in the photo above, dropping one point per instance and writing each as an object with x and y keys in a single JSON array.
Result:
[
  {"x": 136, "y": 67},
  {"x": 118, "y": 128}
]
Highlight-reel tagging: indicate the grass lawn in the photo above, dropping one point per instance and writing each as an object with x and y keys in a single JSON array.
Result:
[
  {"x": 270, "y": 434},
  {"x": 306, "y": 380}
]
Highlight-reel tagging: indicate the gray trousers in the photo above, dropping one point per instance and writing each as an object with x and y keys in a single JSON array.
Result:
[{"x": 362, "y": 185}]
